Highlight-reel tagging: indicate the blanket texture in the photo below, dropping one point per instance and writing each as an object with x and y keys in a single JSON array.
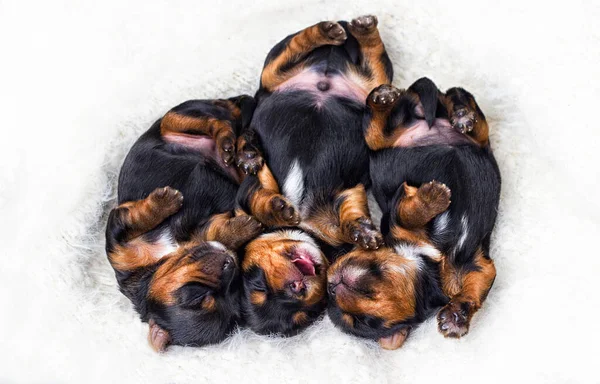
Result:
[{"x": 81, "y": 80}]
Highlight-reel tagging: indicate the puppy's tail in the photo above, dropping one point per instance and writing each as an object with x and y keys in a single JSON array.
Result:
[{"x": 429, "y": 95}]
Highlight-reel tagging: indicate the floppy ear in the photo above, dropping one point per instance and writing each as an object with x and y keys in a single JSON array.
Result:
[
  {"x": 255, "y": 280},
  {"x": 192, "y": 294},
  {"x": 158, "y": 337},
  {"x": 428, "y": 94},
  {"x": 395, "y": 340}
]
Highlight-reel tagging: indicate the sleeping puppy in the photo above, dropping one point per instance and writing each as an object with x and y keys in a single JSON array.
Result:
[
  {"x": 173, "y": 258},
  {"x": 311, "y": 196},
  {"x": 427, "y": 146}
]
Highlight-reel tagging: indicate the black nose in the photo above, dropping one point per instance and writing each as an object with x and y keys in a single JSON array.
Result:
[
  {"x": 331, "y": 289},
  {"x": 297, "y": 286}
]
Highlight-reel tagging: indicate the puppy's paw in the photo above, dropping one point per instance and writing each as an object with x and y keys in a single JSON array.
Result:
[
  {"x": 363, "y": 233},
  {"x": 384, "y": 96},
  {"x": 463, "y": 119},
  {"x": 165, "y": 201},
  {"x": 249, "y": 159},
  {"x": 435, "y": 196},
  {"x": 284, "y": 212},
  {"x": 243, "y": 228},
  {"x": 454, "y": 319},
  {"x": 332, "y": 32},
  {"x": 363, "y": 25},
  {"x": 226, "y": 149}
]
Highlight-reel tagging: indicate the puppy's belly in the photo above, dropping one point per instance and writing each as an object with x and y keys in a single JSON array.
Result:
[
  {"x": 203, "y": 144},
  {"x": 440, "y": 133},
  {"x": 323, "y": 86}
]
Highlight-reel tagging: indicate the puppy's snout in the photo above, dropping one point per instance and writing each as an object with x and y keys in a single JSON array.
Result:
[
  {"x": 331, "y": 289},
  {"x": 298, "y": 286}
]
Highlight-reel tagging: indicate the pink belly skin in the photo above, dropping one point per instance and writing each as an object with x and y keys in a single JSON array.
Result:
[
  {"x": 324, "y": 86},
  {"x": 205, "y": 145},
  {"x": 440, "y": 133}
]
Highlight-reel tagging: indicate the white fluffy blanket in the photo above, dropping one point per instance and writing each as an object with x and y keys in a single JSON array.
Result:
[{"x": 80, "y": 80}]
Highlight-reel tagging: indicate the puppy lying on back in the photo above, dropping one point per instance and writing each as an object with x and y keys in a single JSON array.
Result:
[
  {"x": 308, "y": 127},
  {"x": 172, "y": 237},
  {"x": 427, "y": 146}
]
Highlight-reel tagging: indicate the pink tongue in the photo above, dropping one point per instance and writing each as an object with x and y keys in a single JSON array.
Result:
[{"x": 305, "y": 266}]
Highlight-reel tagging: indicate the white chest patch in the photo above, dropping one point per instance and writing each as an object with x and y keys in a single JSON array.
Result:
[
  {"x": 165, "y": 245},
  {"x": 464, "y": 232},
  {"x": 440, "y": 226},
  {"x": 293, "y": 187}
]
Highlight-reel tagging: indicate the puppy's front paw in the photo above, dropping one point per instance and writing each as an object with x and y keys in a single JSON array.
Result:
[
  {"x": 333, "y": 32},
  {"x": 435, "y": 196},
  {"x": 454, "y": 319},
  {"x": 363, "y": 25},
  {"x": 284, "y": 213},
  {"x": 363, "y": 232},
  {"x": 384, "y": 96},
  {"x": 249, "y": 159},
  {"x": 165, "y": 201},
  {"x": 244, "y": 228}
]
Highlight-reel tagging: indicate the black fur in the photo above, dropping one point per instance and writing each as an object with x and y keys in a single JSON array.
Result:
[
  {"x": 326, "y": 141},
  {"x": 207, "y": 189}
]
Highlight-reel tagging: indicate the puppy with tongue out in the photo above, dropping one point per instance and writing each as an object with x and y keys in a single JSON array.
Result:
[{"x": 308, "y": 167}]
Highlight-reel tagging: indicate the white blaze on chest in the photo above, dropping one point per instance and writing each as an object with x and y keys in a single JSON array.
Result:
[
  {"x": 293, "y": 187},
  {"x": 164, "y": 245}
]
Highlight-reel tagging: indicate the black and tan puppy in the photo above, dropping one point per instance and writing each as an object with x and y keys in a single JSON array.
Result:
[
  {"x": 173, "y": 257},
  {"x": 308, "y": 127},
  {"x": 427, "y": 146}
]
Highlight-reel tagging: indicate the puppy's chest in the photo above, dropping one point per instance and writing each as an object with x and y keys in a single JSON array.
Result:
[{"x": 161, "y": 243}]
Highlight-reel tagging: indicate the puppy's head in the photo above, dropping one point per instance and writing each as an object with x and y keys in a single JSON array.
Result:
[
  {"x": 284, "y": 277},
  {"x": 193, "y": 298},
  {"x": 380, "y": 295}
]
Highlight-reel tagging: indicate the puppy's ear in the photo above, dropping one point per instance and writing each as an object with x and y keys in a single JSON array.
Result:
[
  {"x": 158, "y": 338},
  {"x": 192, "y": 294},
  {"x": 395, "y": 340},
  {"x": 255, "y": 280},
  {"x": 428, "y": 94}
]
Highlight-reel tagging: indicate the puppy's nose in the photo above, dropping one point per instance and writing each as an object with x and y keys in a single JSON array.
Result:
[{"x": 297, "y": 286}]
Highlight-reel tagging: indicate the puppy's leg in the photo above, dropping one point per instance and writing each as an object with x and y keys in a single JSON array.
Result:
[
  {"x": 221, "y": 131},
  {"x": 231, "y": 231},
  {"x": 259, "y": 195},
  {"x": 420, "y": 205},
  {"x": 415, "y": 208},
  {"x": 374, "y": 62},
  {"x": 285, "y": 58},
  {"x": 468, "y": 287},
  {"x": 379, "y": 133},
  {"x": 355, "y": 218},
  {"x": 466, "y": 116},
  {"x": 249, "y": 153},
  {"x": 132, "y": 219}
]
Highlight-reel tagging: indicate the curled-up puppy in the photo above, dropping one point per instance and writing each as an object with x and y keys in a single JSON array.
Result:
[
  {"x": 311, "y": 192},
  {"x": 427, "y": 145},
  {"x": 171, "y": 240}
]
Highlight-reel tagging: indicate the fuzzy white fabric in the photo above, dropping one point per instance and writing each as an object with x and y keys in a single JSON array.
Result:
[{"x": 80, "y": 80}]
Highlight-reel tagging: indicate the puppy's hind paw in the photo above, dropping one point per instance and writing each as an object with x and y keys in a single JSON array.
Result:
[
  {"x": 333, "y": 32},
  {"x": 363, "y": 24},
  {"x": 384, "y": 96}
]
